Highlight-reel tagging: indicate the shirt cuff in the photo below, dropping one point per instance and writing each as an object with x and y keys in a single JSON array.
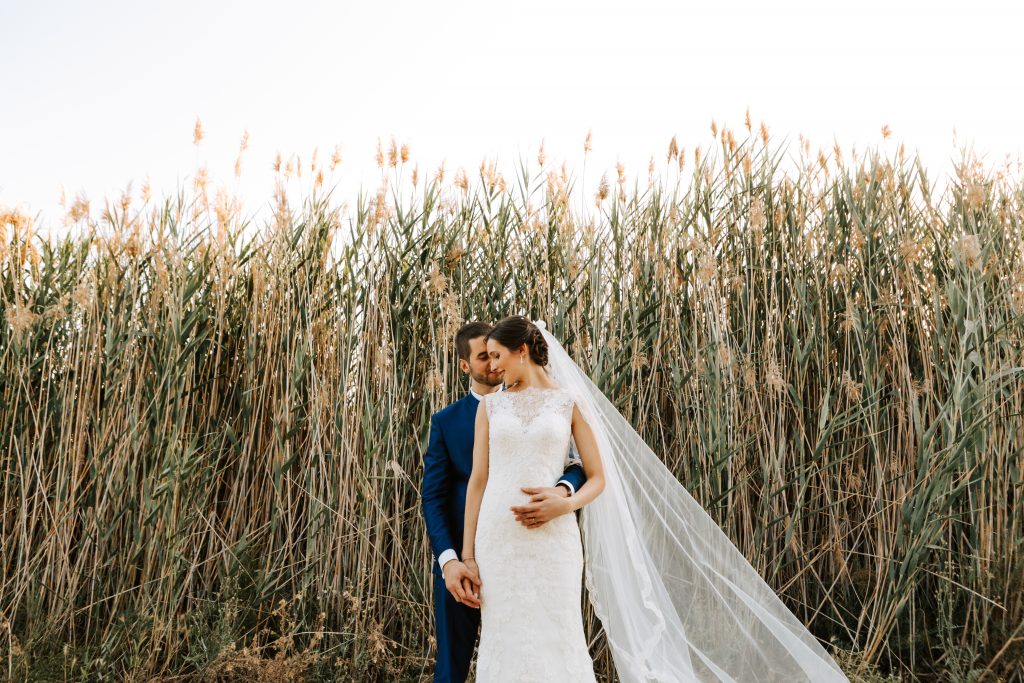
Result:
[
  {"x": 572, "y": 489},
  {"x": 449, "y": 554}
]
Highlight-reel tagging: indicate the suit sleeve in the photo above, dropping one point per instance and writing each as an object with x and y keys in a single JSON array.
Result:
[
  {"x": 436, "y": 477},
  {"x": 573, "y": 475}
]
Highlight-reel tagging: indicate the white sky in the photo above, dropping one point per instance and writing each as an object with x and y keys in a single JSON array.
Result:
[{"x": 100, "y": 93}]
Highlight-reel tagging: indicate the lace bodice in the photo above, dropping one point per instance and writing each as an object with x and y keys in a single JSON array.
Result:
[
  {"x": 530, "y": 435},
  {"x": 527, "y": 404}
]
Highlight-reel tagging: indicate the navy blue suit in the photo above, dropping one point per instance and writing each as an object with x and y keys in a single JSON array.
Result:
[{"x": 447, "y": 464}]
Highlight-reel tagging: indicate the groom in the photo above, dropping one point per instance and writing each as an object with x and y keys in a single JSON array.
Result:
[{"x": 446, "y": 468}]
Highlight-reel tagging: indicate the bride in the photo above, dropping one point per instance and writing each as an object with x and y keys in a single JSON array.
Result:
[{"x": 677, "y": 601}]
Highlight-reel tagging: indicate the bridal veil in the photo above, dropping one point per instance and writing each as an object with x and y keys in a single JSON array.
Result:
[{"x": 677, "y": 599}]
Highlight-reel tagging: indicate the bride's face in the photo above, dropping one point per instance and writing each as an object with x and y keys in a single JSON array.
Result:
[{"x": 504, "y": 362}]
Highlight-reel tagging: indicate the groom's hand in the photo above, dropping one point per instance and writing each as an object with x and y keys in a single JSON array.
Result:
[
  {"x": 546, "y": 503},
  {"x": 462, "y": 582}
]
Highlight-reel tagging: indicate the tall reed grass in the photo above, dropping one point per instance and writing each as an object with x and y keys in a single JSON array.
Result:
[{"x": 212, "y": 432}]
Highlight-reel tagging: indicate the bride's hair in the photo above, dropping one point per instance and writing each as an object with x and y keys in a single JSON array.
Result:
[{"x": 515, "y": 330}]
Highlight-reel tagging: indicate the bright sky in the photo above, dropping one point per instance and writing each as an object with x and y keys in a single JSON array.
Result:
[{"x": 100, "y": 93}]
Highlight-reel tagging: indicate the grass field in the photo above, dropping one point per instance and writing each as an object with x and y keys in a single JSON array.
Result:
[{"x": 212, "y": 431}]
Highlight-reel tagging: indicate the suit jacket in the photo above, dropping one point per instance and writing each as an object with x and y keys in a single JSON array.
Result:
[{"x": 447, "y": 464}]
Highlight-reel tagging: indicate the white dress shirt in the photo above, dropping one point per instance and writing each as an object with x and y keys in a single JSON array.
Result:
[{"x": 450, "y": 553}]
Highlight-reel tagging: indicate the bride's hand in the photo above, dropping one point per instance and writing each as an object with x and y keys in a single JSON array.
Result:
[
  {"x": 546, "y": 503},
  {"x": 459, "y": 579},
  {"x": 471, "y": 584}
]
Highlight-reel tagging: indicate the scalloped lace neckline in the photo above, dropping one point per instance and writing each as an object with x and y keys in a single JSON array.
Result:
[{"x": 512, "y": 392}]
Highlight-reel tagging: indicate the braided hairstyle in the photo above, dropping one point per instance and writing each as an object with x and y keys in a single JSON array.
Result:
[{"x": 515, "y": 330}]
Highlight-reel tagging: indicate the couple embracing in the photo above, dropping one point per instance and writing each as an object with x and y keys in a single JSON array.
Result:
[{"x": 533, "y": 441}]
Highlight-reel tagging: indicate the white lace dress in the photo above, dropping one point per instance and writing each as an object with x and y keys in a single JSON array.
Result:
[{"x": 531, "y": 624}]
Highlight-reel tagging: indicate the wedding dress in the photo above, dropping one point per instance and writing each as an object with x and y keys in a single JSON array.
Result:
[{"x": 531, "y": 623}]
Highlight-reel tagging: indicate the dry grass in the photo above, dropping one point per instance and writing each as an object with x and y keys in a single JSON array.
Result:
[{"x": 201, "y": 418}]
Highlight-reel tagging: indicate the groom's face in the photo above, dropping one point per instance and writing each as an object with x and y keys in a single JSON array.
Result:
[{"x": 479, "y": 365}]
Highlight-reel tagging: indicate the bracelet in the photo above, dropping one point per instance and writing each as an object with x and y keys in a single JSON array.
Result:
[{"x": 468, "y": 558}]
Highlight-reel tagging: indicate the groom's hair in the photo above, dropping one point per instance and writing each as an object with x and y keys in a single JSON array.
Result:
[{"x": 470, "y": 330}]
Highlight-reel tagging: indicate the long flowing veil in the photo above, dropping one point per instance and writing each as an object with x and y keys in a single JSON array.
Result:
[{"x": 678, "y": 601}]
